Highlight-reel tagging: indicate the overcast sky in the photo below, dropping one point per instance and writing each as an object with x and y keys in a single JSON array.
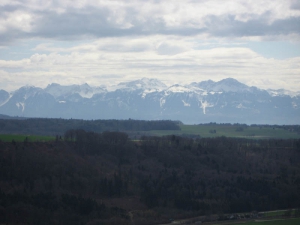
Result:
[{"x": 103, "y": 42}]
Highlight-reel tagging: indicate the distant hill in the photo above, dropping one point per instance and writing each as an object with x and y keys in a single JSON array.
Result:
[
  {"x": 2, "y": 116},
  {"x": 44, "y": 126}
]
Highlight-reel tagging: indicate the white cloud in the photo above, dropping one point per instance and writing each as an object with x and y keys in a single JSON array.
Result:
[
  {"x": 81, "y": 19},
  {"x": 175, "y": 41},
  {"x": 94, "y": 63}
]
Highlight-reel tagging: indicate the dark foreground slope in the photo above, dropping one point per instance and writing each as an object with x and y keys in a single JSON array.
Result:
[{"x": 105, "y": 178}]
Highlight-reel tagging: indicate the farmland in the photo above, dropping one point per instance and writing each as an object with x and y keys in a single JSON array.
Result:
[
  {"x": 294, "y": 221},
  {"x": 228, "y": 130},
  {"x": 21, "y": 137}
]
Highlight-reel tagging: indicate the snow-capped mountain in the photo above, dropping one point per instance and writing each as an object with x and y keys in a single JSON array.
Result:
[
  {"x": 28, "y": 101},
  {"x": 227, "y": 101},
  {"x": 83, "y": 90},
  {"x": 226, "y": 85},
  {"x": 143, "y": 86}
]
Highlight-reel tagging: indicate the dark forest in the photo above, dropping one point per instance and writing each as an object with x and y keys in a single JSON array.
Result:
[{"x": 86, "y": 177}]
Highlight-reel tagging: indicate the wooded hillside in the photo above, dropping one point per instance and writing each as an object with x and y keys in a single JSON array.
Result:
[{"x": 92, "y": 178}]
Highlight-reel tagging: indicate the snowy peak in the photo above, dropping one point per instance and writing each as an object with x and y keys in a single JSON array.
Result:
[
  {"x": 144, "y": 84},
  {"x": 226, "y": 85},
  {"x": 178, "y": 89},
  {"x": 83, "y": 90},
  {"x": 27, "y": 91},
  {"x": 223, "y": 101},
  {"x": 230, "y": 85},
  {"x": 205, "y": 85},
  {"x": 22, "y": 96}
]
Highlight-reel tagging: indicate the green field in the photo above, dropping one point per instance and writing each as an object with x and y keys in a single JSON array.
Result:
[
  {"x": 217, "y": 130},
  {"x": 295, "y": 221},
  {"x": 22, "y": 137},
  {"x": 291, "y": 212}
]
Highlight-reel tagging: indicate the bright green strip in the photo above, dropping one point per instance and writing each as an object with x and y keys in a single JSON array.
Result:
[
  {"x": 219, "y": 130},
  {"x": 21, "y": 138}
]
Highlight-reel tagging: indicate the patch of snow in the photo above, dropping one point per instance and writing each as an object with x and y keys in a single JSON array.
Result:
[
  {"x": 162, "y": 101},
  {"x": 273, "y": 93},
  {"x": 147, "y": 91},
  {"x": 178, "y": 89},
  {"x": 282, "y": 92},
  {"x": 186, "y": 104},
  {"x": 215, "y": 92},
  {"x": 83, "y": 90},
  {"x": 144, "y": 83},
  {"x": 294, "y": 104},
  {"x": 205, "y": 105},
  {"x": 21, "y": 104},
  {"x": 240, "y": 106}
]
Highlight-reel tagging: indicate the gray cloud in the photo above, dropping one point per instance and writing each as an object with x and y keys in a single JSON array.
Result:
[
  {"x": 9, "y": 8},
  {"x": 88, "y": 21},
  {"x": 295, "y": 5},
  {"x": 118, "y": 47},
  {"x": 228, "y": 26},
  {"x": 167, "y": 49},
  {"x": 75, "y": 24}
]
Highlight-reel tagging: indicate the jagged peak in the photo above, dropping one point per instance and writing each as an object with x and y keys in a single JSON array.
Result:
[
  {"x": 141, "y": 84},
  {"x": 225, "y": 85},
  {"x": 84, "y": 90},
  {"x": 53, "y": 85},
  {"x": 178, "y": 88},
  {"x": 148, "y": 85}
]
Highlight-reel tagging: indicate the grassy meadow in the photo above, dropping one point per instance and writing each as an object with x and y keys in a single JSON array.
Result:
[
  {"x": 294, "y": 221},
  {"x": 22, "y": 137},
  {"x": 237, "y": 131}
]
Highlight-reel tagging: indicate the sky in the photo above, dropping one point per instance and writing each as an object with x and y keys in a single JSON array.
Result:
[{"x": 105, "y": 42}]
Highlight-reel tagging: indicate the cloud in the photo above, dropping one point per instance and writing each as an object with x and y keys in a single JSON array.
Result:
[
  {"x": 160, "y": 57},
  {"x": 295, "y": 5},
  {"x": 72, "y": 20},
  {"x": 102, "y": 42},
  {"x": 167, "y": 49},
  {"x": 229, "y": 26}
]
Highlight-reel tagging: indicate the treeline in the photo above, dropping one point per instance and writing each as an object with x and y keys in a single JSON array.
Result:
[
  {"x": 92, "y": 178},
  {"x": 293, "y": 128},
  {"x": 41, "y": 126}
]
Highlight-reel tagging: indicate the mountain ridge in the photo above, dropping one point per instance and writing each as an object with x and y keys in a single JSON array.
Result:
[{"x": 227, "y": 100}]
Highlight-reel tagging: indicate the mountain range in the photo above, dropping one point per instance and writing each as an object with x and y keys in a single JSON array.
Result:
[{"x": 225, "y": 101}]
